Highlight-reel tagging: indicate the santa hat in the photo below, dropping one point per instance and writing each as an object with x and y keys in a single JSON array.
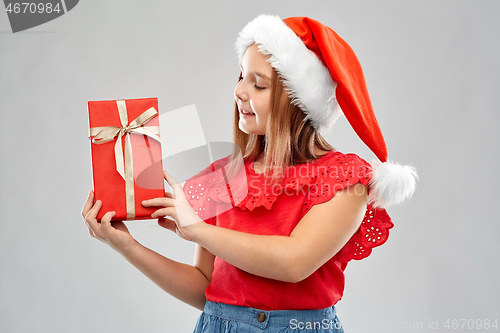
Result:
[{"x": 323, "y": 76}]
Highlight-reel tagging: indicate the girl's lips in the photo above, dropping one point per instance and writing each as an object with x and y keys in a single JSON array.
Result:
[{"x": 246, "y": 114}]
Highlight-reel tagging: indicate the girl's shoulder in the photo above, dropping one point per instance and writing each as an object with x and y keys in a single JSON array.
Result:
[
  {"x": 337, "y": 158},
  {"x": 320, "y": 178},
  {"x": 332, "y": 166},
  {"x": 336, "y": 171},
  {"x": 330, "y": 173}
]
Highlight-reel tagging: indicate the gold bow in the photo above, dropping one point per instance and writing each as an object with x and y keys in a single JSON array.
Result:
[{"x": 125, "y": 167}]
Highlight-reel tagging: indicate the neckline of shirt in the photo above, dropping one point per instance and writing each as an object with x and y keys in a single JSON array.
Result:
[{"x": 251, "y": 168}]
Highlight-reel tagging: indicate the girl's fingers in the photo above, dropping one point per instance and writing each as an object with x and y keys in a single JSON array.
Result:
[
  {"x": 92, "y": 213},
  {"x": 90, "y": 218},
  {"x": 94, "y": 228},
  {"x": 167, "y": 223},
  {"x": 91, "y": 232},
  {"x": 158, "y": 202},
  {"x": 89, "y": 213},
  {"x": 119, "y": 225},
  {"x": 88, "y": 204},
  {"x": 169, "y": 211},
  {"x": 171, "y": 181},
  {"x": 169, "y": 195},
  {"x": 106, "y": 222},
  {"x": 174, "y": 184}
]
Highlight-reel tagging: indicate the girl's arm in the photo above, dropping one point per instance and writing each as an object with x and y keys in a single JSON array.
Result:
[
  {"x": 321, "y": 233},
  {"x": 185, "y": 282}
]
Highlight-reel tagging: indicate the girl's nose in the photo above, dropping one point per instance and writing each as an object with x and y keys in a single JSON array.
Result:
[{"x": 239, "y": 92}]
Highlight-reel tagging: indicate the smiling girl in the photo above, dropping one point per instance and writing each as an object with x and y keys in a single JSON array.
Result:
[{"x": 275, "y": 261}]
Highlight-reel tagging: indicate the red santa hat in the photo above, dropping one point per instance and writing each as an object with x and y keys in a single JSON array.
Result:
[{"x": 323, "y": 76}]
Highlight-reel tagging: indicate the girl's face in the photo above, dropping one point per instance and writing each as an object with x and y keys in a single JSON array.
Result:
[{"x": 253, "y": 92}]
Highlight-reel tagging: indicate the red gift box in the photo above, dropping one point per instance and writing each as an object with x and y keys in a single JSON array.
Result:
[{"x": 125, "y": 144}]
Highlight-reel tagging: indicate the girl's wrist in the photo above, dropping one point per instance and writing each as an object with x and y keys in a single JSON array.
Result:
[
  {"x": 129, "y": 250},
  {"x": 194, "y": 231}
]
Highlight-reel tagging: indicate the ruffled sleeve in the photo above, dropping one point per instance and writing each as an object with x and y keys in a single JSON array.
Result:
[
  {"x": 217, "y": 188},
  {"x": 201, "y": 189},
  {"x": 337, "y": 173},
  {"x": 373, "y": 232}
]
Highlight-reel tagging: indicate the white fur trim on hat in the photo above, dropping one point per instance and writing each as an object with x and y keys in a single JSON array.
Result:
[
  {"x": 306, "y": 79},
  {"x": 391, "y": 183}
]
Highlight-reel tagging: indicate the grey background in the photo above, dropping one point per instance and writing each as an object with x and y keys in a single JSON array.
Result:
[{"x": 433, "y": 74}]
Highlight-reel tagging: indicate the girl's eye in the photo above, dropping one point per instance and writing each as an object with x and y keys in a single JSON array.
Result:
[
  {"x": 259, "y": 88},
  {"x": 240, "y": 77}
]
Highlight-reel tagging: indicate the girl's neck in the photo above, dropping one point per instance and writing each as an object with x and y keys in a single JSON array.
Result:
[{"x": 258, "y": 164}]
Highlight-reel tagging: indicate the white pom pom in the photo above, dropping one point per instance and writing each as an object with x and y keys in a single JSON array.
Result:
[{"x": 391, "y": 183}]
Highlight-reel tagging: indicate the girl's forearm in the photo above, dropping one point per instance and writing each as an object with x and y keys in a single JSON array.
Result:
[
  {"x": 267, "y": 256},
  {"x": 184, "y": 282},
  {"x": 315, "y": 239}
]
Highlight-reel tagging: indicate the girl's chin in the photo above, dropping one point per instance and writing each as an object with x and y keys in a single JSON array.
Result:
[{"x": 250, "y": 129}]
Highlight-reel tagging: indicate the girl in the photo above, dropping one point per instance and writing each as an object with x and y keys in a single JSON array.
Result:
[{"x": 274, "y": 262}]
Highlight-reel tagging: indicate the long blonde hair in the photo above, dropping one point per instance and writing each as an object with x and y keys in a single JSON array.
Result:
[{"x": 290, "y": 139}]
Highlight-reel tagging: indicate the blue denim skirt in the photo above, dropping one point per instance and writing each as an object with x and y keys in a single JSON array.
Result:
[{"x": 225, "y": 318}]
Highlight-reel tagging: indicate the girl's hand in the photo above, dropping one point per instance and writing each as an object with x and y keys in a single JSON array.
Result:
[
  {"x": 115, "y": 235},
  {"x": 184, "y": 218}
]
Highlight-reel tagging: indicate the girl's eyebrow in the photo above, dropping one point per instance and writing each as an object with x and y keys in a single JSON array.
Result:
[
  {"x": 262, "y": 75},
  {"x": 259, "y": 74}
]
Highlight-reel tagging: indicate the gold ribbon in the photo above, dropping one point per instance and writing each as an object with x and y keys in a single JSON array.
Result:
[{"x": 125, "y": 166}]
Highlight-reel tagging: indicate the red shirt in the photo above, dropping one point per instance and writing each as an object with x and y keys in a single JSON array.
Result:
[{"x": 248, "y": 203}]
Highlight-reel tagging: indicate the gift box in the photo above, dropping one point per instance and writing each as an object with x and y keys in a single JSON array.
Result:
[{"x": 125, "y": 143}]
